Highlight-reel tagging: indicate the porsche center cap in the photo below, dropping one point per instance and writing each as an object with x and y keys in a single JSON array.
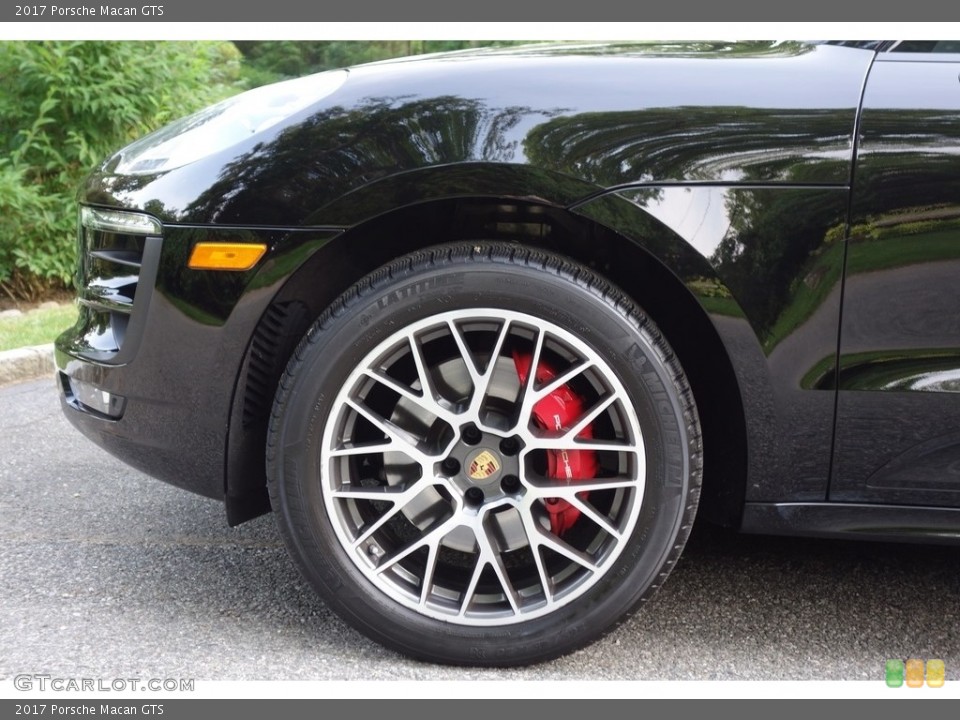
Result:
[{"x": 483, "y": 465}]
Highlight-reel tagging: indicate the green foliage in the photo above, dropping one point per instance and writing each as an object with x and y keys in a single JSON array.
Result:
[
  {"x": 268, "y": 61},
  {"x": 27, "y": 216},
  {"x": 66, "y": 105}
]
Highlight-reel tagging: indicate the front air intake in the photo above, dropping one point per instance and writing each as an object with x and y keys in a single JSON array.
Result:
[{"x": 118, "y": 256}]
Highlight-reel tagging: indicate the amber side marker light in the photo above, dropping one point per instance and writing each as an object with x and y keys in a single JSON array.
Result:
[{"x": 225, "y": 256}]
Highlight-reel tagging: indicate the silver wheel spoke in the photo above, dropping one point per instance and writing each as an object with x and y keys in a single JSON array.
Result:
[
  {"x": 430, "y": 538},
  {"x": 596, "y": 445},
  {"x": 390, "y": 494},
  {"x": 423, "y": 374},
  {"x": 471, "y": 586},
  {"x": 432, "y": 555},
  {"x": 368, "y": 449},
  {"x": 591, "y": 512},
  {"x": 561, "y": 380},
  {"x": 377, "y": 524},
  {"x": 399, "y": 500},
  {"x": 527, "y": 391},
  {"x": 403, "y": 441},
  {"x": 489, "y": 554},
  {"x": 533, "y": 537},
  {"x": 591, "y": 415},
  {"x": 554, "y": 543},
  {"x": 480, "y": 380},
  {"x": 567, "y": 489},
  {"x": 425, "y": 401}
]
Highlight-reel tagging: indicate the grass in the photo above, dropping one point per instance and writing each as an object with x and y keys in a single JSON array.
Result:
[{"x": 35, "y": 327}]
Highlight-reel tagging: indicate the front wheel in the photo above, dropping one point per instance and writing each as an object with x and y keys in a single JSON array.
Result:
[{"x": 484, "y": 454}]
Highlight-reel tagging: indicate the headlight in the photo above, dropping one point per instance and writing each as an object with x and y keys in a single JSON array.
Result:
[
  {"x": 119, "y": 221},
  {"x": 224, "y": 124}
]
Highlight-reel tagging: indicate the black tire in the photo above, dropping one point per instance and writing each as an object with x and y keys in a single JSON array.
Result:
[{"x": 392, "y": 537}]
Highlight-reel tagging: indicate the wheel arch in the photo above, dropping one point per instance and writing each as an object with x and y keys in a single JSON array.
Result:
[{"x": 644, "y": 258}]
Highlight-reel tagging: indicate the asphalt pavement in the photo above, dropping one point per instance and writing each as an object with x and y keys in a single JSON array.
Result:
[{"x": 108, "y": 573}]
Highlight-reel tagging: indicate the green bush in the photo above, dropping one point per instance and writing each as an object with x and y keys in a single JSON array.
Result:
[
  {"x": 271, "y": 60},
  {"x": 65, "y": 105}
]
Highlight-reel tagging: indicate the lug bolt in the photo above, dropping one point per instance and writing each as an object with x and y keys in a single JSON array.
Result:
[
  {"x": 474, "y": 496},
  {"x": 509, "y": 446},
  {"x": 471, "y": 435},
  {"x": 450, "y": 466},
  {"x": 510, "y": 484}
]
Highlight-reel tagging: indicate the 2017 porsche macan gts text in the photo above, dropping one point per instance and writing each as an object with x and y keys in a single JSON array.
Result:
[{"x": 486, "y": 331}]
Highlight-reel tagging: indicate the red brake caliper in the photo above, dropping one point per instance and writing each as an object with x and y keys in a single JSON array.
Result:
[{"x": 556, "y": 412}]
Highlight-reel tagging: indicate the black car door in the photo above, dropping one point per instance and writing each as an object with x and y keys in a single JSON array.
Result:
[{"x": 898, "y": 375}]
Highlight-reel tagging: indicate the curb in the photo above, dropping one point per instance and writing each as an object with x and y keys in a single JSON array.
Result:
[{"x": 26, "y": 363}]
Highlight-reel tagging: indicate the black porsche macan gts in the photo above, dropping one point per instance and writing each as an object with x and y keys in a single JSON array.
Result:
[{"x": 486, "y": 331}]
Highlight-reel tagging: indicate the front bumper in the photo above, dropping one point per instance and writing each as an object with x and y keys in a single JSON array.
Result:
[
  {"x": 164, "y": 416},
  {"x": 148, "y": 371}
]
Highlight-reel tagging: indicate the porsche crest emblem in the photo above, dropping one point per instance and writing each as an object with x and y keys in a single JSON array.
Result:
[{"x": 483, "y": 466}]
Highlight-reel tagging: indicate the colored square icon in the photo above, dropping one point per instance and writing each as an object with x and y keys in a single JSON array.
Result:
[
  {"x": 894, "y": 673},
  {"x": 936, "y": 673},
  {"x": 914, "y": 673}
]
